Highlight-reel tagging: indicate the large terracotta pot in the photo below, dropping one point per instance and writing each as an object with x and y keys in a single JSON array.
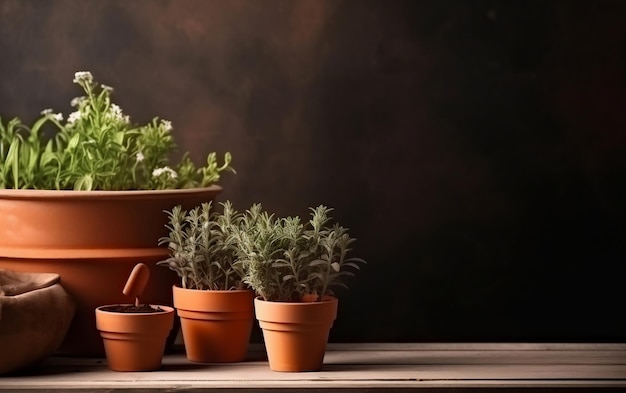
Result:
[
  {"x": 215, "y": 325},
  {"x": 92, "y": 239},
  {"x": 134, "y": 341},
  {"x": 295, "y": 334}
]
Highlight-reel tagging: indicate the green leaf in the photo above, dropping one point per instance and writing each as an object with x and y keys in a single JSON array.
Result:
[
  {"x": 73, "y": 143},
  {"x": 12, "y": 162},
  {"x": 318, "y": 262},
  {"x": 352, "y": 265},
  {"x": 85, "y": 183}
]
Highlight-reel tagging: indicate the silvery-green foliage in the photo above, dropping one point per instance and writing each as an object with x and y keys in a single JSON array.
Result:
[
  {"x": 263, "y": 239},
  {"x": 97, "y": 148},
  {"x": 203, "y": 248},
  {"x": 284, "y": 259}
]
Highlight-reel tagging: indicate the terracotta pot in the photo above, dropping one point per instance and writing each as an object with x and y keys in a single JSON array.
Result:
[
  {"x": 134, "y": 341},
  {"x": 92, "y": 239},
  {"x": 35, "y": 313},
  {"x": 215, "y": 325},
  {"x": 295, "y": 334}
]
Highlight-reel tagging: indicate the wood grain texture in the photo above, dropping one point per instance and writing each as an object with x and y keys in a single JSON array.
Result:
[{"x": 357, "y": 367}]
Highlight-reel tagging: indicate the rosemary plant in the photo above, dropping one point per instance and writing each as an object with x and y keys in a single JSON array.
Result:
[
  {"x": 97, "y": 148},
  {"x": 202, "y": 247},
  {"x": 286, "y": 260}
]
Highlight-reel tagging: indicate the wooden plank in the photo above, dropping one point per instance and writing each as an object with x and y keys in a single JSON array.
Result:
[
  {"x": 358, "y": 367},
  {"x": 462, "y": 346}
]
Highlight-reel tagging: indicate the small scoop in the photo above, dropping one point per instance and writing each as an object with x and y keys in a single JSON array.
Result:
[{"x": 137, "y": 281}]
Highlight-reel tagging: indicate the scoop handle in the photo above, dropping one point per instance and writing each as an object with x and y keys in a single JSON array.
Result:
[{"x": 137, "y": 281}]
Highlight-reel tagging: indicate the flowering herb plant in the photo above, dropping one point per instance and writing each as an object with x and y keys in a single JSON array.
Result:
[{"x": 97, "y": 148}]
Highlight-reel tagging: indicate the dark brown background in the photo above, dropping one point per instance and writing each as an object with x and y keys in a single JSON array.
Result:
[{"x": 474, "y": 148}]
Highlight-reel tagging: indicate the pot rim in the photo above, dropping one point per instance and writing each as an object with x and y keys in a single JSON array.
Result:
[
  {"x": 333, "y": 299},
  {"x": 22, "y": 194},
  {"x": 166, "y": 310},
  {"x": 179, "y": 288}
]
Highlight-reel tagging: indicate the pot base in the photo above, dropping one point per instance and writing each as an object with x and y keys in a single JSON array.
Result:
[
  {"x": 134, "y": 341},
  {"x": 215, "y": 325},
  {"x": 295, "y": 334}
]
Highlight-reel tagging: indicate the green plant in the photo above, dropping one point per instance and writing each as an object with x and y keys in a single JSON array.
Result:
[
  {"x": 202, "y": 247},
  {"x": 97, "y": 148},
  {"x": 286, "y": 260}
]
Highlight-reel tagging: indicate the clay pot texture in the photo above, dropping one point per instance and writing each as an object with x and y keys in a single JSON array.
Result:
[
  {"x": 35, "y": 314},
  {"x": 215, "y": 325},
  {"x": 134, "y": 341},
  {"x": 295, "y": 334},
  {"x": 92, "y": 239}
]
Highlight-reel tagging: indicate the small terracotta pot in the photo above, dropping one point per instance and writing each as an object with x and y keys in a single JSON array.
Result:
[
  {"x": 295, "y": 334},
  {"x": 215, "y": 325},
  {"x": 134, "y": 341}
]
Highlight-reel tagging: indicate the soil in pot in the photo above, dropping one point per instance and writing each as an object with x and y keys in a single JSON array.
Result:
[{"x": 131, "y": 308}]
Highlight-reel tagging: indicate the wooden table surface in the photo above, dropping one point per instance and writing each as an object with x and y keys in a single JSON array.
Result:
[{"x": 445, "y": 367}]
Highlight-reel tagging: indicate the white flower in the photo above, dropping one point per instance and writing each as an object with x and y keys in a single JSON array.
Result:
[
  {"x": 83, "y": 76},
  {"x": 77, "y": 100},
  {"x": 106, "y": 88},
  {"x": 140, "y": 158},
  {"x": 165, "y": 170},
  {"x": 167, "y": 125},
  {"x": 116, "y": 110},
  {"x": 56, "y": 116},
  {"x": 73, "y": 117},
  {"x": 115, "y": 113}
]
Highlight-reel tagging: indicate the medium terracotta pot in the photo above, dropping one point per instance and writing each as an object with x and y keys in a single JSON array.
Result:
[
  {"x": 215, "y": 325},
  {"x": 295, "y": 334},
  {"x": 92, "y": 239},
  {"x": 134, "y": 341}
]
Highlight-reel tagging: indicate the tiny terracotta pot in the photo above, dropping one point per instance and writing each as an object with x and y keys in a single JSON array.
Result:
[
  {"x": 295, "y": 334},
  {"x": 134, "y": 341},
  {"x": 215, "y": 325}
]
